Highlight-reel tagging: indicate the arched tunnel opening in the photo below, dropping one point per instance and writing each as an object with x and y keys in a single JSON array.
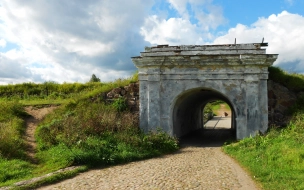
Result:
[{"x": 193, "y": 121}]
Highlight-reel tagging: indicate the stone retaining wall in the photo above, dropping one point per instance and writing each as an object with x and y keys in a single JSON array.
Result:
[
  {"x": 130, "y": 93},
  {"x": 280, "y": 98}
]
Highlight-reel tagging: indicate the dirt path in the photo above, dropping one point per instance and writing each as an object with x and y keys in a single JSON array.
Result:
[
  {"x": 199, "y": 164},
  {"x": 37, "y": 114},
  {"x": 222, "y": 110}
]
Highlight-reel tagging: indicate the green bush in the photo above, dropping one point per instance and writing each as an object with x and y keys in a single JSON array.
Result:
[
  {"x": 159, "y": 142},
  {"x": 120, "y": 104}
]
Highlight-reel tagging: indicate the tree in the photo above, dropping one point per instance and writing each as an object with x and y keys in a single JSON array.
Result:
[{"x": 94, "y": 78}]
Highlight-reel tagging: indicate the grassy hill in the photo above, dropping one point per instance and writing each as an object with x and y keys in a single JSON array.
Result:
[{"x": 84, "y": 130}]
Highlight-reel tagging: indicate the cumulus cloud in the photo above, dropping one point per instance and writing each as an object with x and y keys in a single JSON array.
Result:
[
  {"x": 173, "y": 31},
  {"x": 283, "y": 32},
  {"x": 207, "y": 14},
  {"x": 70, "y": 40},
  {"x": 2, "y": 43},
  {"x": 192, "y": 25},
  {"x": 13, "y": 69}
]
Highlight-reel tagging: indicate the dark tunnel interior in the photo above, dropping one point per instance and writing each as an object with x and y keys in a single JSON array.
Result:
[{"x": 187, "y": 114}]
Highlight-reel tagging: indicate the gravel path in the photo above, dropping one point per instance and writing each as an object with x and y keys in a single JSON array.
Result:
[{"x": 199, "y": 164}]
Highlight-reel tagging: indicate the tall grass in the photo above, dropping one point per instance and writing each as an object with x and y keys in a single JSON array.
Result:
[
  {"x": 97, "y": 134},
  {"x": 13, "y": 164},
  {"x": 54, "y": 93},
  {"x": 46, "y": 93},
  {"x": 76, "y": 122},
  {"x": 277, "y": 159},
  {"x": 12, "y": 170},
  {"x": 11, "y": 130},
  {"x": 26, "y": 90}
]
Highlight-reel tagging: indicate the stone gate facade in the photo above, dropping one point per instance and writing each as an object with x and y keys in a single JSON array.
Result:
[{"x": 176, "y": 82}]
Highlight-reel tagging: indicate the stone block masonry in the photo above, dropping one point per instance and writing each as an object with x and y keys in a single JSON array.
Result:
[
  {"x": 129, "y": 92},
  {"x": 176, "y": 82}
]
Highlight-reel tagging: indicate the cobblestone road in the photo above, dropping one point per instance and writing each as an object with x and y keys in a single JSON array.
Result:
[{"x": 200, "y": 164}]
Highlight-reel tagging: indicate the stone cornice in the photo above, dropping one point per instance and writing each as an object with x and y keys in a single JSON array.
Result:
[
  {"x": 205, "y": 60},
  {"x": 205, "y": 55}
]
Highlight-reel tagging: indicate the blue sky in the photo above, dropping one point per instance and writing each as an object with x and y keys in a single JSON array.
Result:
[
  {"x": 247, "y": 12},
  {"x": 68, "y": 41}
]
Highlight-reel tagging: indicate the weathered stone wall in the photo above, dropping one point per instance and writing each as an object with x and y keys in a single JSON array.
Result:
[
  {"x": 130, "y": 93},
  {"x": 280, "y": 98}
]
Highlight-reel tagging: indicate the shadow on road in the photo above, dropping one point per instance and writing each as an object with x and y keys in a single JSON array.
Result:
[{"x": 207, "y": 138}]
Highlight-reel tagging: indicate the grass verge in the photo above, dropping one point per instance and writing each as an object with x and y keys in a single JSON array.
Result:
[
  {"x": 11, "y": 130},
  {"x": 13, "y": 170},
  {"x": 275, "y": 160}
]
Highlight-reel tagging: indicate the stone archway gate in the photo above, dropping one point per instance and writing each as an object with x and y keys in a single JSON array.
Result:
[{"x": 237, "y": 73}]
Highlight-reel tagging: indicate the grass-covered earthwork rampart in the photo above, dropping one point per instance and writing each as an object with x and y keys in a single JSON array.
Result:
[{"x": 84, "y": 130}]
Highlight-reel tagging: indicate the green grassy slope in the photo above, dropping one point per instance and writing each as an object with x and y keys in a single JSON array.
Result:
[{"x": 80, "y": 132}]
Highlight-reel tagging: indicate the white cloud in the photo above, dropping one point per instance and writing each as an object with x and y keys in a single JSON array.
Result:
[
  {"x": 70, "y": 40},
  {"x": 283, "y": 32},
  {"x": 211, "y": 19},
  {"x": 192, "y": 26},
  {"x": 174, "y": 31},
  {"x": 13, "y": 69},
  {"x": 209, "y": 16},
  {"x": 2, "y": 43},
  {"x": 180, "y": 6}
]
